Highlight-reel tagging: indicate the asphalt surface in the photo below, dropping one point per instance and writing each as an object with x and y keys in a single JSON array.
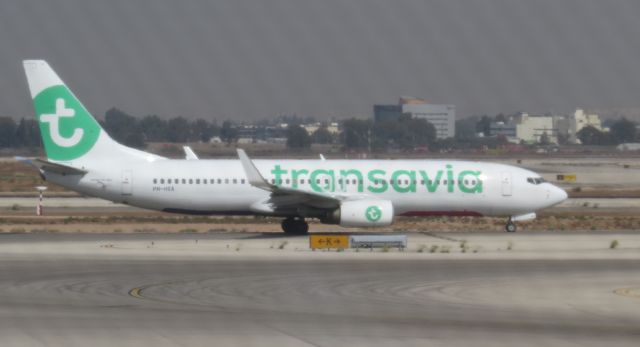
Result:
[{"x": 123, "y": 299}]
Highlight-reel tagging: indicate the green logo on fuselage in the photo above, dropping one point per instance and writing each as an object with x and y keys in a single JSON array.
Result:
[
  {"x": 373, "y": 213},
  {"x": 67, "y": 129}
]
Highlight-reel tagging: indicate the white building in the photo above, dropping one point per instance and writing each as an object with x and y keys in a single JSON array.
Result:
[
  {"x": 443, "y": 117},
  {"x": 572, "y": 124},
  {"x": 530, "y": 128},
  {"x": 332, "y": 128}
]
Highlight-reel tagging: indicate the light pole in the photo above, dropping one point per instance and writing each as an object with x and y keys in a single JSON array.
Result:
[{"x": 41, "y": 190}]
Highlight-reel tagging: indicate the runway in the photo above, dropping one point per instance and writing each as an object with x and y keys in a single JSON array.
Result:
[{"x": 287, "y": 298}]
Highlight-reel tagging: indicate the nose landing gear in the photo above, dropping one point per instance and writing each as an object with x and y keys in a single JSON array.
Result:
[
  {"x": 510, "y": 227},
  {"x": 295, "y": 226}
]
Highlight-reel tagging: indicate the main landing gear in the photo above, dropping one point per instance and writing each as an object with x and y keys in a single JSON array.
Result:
[
  {"x": 510, "y": 227},
  {"x": 295, "y": 226}
]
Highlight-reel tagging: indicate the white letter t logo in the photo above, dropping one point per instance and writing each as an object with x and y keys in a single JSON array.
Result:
[{"x": 54, "y": 126}]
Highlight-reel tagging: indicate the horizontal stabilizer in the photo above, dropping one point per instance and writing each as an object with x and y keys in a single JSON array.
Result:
[{"x": 48, "y": 166}]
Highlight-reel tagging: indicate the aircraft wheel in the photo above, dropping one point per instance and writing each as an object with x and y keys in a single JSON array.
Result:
[
  {"x": 511, "y": 227},
  {"x": 295, "y": 226}
]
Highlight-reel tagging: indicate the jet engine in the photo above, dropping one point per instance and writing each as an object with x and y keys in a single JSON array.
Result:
[{"x": 362, "y": 213}]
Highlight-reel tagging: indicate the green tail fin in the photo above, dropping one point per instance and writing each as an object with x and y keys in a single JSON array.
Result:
[{"x": 68, "y": 130}]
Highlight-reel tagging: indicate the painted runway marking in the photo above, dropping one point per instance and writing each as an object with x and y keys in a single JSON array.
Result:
[
  {"x": 628, "y": 292},
  {"x": 137, "y": 292}
]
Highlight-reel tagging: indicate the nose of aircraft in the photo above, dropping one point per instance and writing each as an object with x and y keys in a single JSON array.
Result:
[{"x": 556, "y": 195}]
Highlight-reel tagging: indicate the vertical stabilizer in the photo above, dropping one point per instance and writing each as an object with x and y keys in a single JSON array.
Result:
[{"x": 69, "y": 132}]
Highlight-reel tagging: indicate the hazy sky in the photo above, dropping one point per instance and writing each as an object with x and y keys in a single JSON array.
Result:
[{"x": 250, "y": 59}]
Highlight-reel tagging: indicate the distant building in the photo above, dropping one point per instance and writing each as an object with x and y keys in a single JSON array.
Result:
[
  {"x": 526, "y": 128},
  {"x": 530, "y": 128},
  {"x": 386, "y": 112},
  {"x": 261, "y": 133},
  {"x": 503, "y": 129},
  {"x": 442, "y": 117},
  {"x": 332, "y": 128},
  {"x": 572, "y": 124}
]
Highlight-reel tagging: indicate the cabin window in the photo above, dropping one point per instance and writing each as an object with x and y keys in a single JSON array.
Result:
[
  {"x": 169, "y": 181},
  {"x": 162, "y": 181},
  {"x": 235, "y": 181},
  {"x": 287, "y": 181},
  {"x": 226, "y": 181},
  {"x": 155, "y": 181},
  {"x": 190, "y": 180},
  {"x": 197, "y": 181},
  {"x": 242, "y": 181},
  {"x": 184, "y": 181}
]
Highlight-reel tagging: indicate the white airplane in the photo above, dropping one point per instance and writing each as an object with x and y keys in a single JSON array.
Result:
[{"x": 353, "y": 193}]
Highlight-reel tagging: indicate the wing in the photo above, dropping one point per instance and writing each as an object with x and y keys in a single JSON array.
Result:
[{"x": 285, "y": 197}]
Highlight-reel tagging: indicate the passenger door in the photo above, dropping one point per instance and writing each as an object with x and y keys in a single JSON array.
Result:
[
  {"x": 505, "y": 183},
  {"x": 127, "y": 182}
]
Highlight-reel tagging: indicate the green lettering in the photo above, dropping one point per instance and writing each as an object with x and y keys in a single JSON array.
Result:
[
  {"x": 356, "y": 173},
  {"x": 322, "y": 186},
  {"x": 404, "y": 189},
  {"x": 381, "y": 187},
  {"x": 278, "y": 172},
  {"x": 297, "y": 173},
  {"x": 450, "y": 181},
  {"x": 476, "y": 188},
  {"x": 432, "y": 185}
]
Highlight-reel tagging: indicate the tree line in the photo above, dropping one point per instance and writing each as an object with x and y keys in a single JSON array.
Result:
[
  {"x": 358, "y": 134},
  {"x": 621, "y": 130},
  {"x": 21, "y": 134},
  {"x": 403, "y": 134}
]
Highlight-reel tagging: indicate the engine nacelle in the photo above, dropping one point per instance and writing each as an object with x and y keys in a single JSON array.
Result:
[{"x": 364, "y": 213}]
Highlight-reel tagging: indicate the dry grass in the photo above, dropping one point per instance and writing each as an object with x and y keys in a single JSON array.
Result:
[
  {"x": 21, "y": 179},
  {"x": 156, "y": 222}
]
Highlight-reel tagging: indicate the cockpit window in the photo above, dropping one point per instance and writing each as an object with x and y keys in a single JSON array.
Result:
[{"x": 535, "y": 180}]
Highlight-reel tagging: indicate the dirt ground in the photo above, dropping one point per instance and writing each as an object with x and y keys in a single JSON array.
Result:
[{"x": 157, "y": 222}]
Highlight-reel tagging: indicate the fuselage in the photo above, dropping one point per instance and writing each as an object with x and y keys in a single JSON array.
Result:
[
  {"x": 358, "y": 193},
  {"x": 415, "y": 187}
]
